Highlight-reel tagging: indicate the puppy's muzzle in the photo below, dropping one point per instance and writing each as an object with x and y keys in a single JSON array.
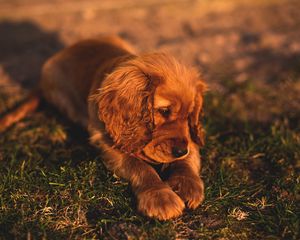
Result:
[{"x": 180, "y": 148}]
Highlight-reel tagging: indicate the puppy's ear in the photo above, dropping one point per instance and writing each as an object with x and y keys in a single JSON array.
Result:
[
  {"x": 196, "y": 129},
  {"x": 125, "y": 106}
]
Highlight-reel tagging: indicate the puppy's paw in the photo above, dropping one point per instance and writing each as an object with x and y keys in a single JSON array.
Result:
[
  {"x": 161, "y": 203},
  {"x": 191, "y": 190}
]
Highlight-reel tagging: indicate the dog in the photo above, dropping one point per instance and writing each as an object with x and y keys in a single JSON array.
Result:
[{"x": 143, "y": 111}]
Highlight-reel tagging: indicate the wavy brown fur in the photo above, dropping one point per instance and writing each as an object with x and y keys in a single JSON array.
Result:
[
  {"x": 137, "y": 109},
  {"x": 20, "y": 112}
]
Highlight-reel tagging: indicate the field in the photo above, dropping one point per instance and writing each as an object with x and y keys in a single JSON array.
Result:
[{"x": 53, "y": 184}]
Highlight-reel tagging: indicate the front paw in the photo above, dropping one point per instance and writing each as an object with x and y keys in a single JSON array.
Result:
[
  {"x": 161, "y": 203},
  {"x": 190, "y": 189}
]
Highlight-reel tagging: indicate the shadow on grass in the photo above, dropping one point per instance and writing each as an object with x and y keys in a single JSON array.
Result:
[
  {"x": 24, "y": 46},
  {"x": 267, "y": 140}
]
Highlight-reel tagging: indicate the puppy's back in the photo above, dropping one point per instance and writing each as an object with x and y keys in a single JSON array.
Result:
[{"x": 67, "y": 76}]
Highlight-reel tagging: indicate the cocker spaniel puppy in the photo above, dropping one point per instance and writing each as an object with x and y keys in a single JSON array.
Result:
[{"x": 142, "y": 111}]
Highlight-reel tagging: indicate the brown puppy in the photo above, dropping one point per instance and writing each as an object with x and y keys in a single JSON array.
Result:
[{"x": 141, "y": 110}]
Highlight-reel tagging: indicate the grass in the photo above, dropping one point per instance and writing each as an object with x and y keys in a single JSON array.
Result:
[{"x": 53, "y": 184}]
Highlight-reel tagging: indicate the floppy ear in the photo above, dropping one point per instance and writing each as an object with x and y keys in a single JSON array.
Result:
[
  {"x": 196, "y": 130},
  {"x": 125, "y": 106}
]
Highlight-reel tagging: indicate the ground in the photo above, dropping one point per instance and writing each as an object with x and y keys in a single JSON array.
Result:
[{"x": 53, "y": 184}]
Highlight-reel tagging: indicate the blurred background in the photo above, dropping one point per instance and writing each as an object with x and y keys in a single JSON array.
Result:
[{"x": 237, "y": 45}]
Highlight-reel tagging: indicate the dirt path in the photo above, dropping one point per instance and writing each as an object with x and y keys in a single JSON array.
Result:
[
  {"x": 227, "y": 39},
  {"x": 236, "y": 44}
]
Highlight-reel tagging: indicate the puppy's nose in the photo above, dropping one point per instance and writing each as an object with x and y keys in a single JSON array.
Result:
[{"x": 179, "y": 152}]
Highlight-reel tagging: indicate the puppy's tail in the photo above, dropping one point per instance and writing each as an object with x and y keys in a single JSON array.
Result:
[{"x": 22, "y": 110}]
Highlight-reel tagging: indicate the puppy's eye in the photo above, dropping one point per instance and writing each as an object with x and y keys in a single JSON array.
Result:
[{"x": 165, "y": 112}]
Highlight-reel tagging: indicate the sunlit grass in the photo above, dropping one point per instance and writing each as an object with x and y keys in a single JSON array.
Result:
[{"x": 54, "y": 185}]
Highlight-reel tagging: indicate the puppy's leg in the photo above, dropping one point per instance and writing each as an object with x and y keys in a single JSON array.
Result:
[
  {"x": 59, "y": 90},
  {"x": 155, "y": 198},
  {"x": 184, "y": 179}
]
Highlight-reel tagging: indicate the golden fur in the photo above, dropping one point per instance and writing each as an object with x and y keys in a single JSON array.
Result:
[{"x": 141, "y": 110}]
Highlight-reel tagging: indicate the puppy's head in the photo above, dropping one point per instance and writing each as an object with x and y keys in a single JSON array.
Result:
[{"x": 150, "y": 106}]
